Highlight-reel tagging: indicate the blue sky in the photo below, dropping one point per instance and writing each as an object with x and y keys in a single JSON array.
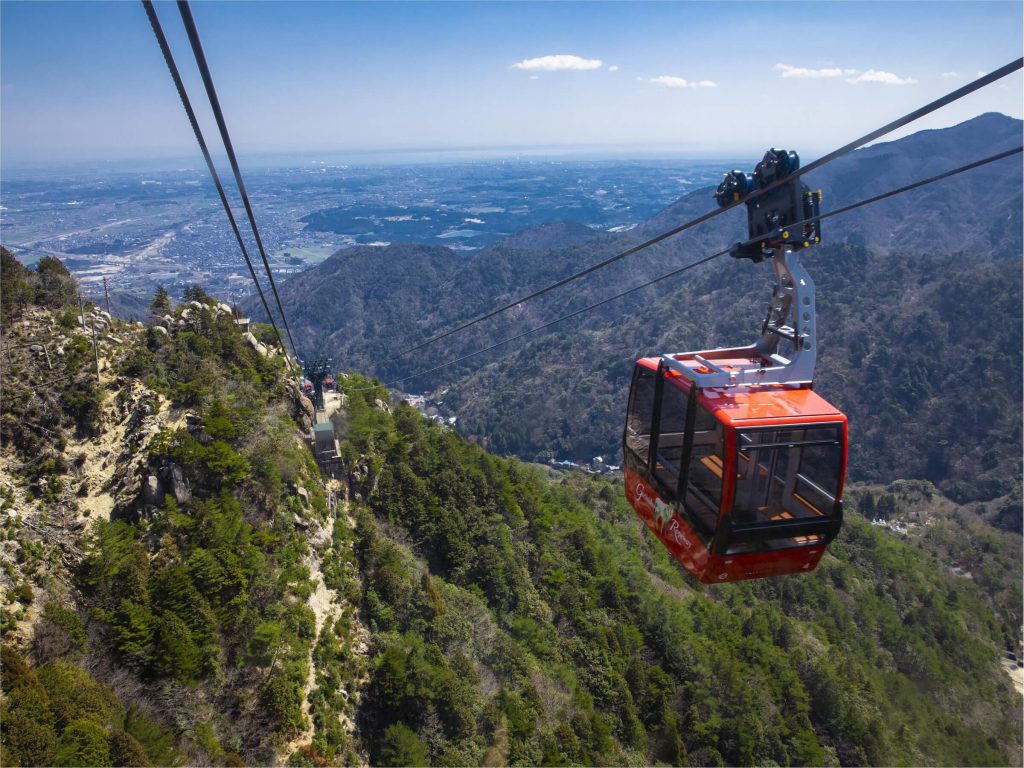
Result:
[{"x": 85, "y": 80}]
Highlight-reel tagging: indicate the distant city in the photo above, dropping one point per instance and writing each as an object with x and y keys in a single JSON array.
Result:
[{"x": 140, "y": 229}]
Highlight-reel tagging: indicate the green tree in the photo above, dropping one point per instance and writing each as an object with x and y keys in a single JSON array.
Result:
[
  {"x": 25, "y": 741},
  {"x": 158, "y": 742},
  {"x": 16, "y": 285},
  {"x": 161, "y": 302},
  {"x": 59, "y": 633},
  {"x": 56, "y": 287},
  {"x": 400, "y": 746},
  {"x": 125, "y": 750},
  {"x": 282, "y": 699},
  {"x": 197, "y": 293},
  {"x": 75, "y": 695},
  {"x": 176, "y": 653},
  {"x": 83, "y": 743}
]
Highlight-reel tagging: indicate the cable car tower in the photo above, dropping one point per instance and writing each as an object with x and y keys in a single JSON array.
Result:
[{"x": 731, "y": 458}]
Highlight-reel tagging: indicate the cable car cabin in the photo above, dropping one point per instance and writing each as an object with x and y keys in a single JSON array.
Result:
[{"x": 737, "y": 482}]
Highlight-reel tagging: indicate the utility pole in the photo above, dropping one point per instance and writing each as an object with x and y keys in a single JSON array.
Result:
[
  {"x": 92, "y": 324},
  {"x": 106, "y": 295}
]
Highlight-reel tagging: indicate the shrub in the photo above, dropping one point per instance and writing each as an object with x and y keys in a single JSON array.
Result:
[
  {"x": 56, "y": 288},
  {"x": 24, "y": 741},
  {"x": 16, "y": 285},
  {"x": 157, "y": 741},
  {"x": 31, "y": 700},
  {"x": 283, "y": 701},
  {"x": 59, "y": 633},
  {"x": 83, "y": 743},
  {"x": 83, "y": 401},
  {"x": 75, "y": 695},
  {"x": 401, "y": 746},
  {"x": 13, "y": 669},
  {"x": 23, "y": 593},
  {"x": 125, "y": 750}
]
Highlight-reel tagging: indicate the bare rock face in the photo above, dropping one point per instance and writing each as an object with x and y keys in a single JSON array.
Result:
[
  {"x": 307, "y": 413},
  {"x": 307, "y": 406},
  {"x": 255, "y": 343},
  {"x": 380, "y": 405},
  {"x": 152, "y": 491},
  {"x": 193, "y": 423},
  {"x": 173, "y": 476}
]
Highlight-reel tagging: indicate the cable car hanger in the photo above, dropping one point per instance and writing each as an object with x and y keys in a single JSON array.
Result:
[{"x": 781, "y": 222}]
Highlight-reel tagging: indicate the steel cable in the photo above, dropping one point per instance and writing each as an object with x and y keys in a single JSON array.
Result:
[
  {"x": 204, "y": 71},
  {"x": 183, "y": 95}
]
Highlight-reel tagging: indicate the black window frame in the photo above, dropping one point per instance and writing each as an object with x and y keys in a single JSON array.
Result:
[
  {"x": 674, "y": 492},
  {"x": 765, "y": 536},
  {"x": 631, "y": 458}
]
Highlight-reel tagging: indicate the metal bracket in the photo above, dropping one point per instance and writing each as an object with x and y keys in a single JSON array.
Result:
[{"x": 790, "y": 317}]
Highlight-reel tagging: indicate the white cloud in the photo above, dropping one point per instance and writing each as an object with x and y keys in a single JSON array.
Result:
[
  {"x": 852, "y": 75},
  {"x": 981, "y": 74},
  {"x": 613, "y": 68},
  {"x": 879, "y": 76},
  {"x": 557, "y": 63},
  {"x": 669, "y": 81},
  {"x": 790, "y": 71},
  {"x": 535, "y": 77},
  {"x": 950, "y": 74}
]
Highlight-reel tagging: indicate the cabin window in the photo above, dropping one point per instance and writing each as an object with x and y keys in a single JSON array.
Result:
[
  {"x": 670, "y": 435},
  {"x": 787, "y": 474},
  {"x": 706, "y": 469},
  {"x": 641, "y": 413}
]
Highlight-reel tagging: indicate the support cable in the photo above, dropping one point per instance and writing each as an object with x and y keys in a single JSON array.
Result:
[
  {"x": 204, "y": 70},
  {"x": 706, "y": 259},
  {"x": 959, "y": 93},
  {"x": 186, "y": 102}
]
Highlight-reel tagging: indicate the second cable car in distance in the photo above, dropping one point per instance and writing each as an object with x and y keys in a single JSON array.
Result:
[{"x": 730, "y": 457}]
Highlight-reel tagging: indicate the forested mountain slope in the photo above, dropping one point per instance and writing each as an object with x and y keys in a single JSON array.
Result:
[
  {"x": 181, "y": 586},
  {"x": 919, "y": 299},
  {"x": 528, "y": 618}
]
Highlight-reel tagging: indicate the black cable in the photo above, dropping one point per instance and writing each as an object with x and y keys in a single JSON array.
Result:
[
  {"x": 204, "y": 70},
  {"x": 915, "y": 185},
  {"x": 180, "y": 86},
  {"x": 706, "y": 259},
  {"x": 959, "y": 93}
]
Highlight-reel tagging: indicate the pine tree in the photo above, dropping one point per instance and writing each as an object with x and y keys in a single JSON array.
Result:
[{"x": 161, "y": 303}]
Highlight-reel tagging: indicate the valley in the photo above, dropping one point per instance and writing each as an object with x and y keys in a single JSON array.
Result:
[{"x": 140, "y": 228}]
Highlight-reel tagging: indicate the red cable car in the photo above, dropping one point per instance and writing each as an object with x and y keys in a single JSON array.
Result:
[{"x": 731, "y": 459}]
